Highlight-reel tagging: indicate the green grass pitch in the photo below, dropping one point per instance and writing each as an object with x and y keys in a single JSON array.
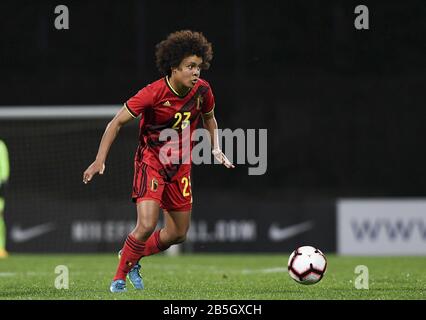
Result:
[{"x": 210, "y": 276}]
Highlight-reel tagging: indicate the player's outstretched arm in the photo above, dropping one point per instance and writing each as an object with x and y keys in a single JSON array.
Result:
[
  {"x": 98, "y": 166},
  {"x": 210, "y": 124}
]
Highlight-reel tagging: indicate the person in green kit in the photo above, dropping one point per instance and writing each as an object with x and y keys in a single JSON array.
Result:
[{"x": 4, "y": 177}]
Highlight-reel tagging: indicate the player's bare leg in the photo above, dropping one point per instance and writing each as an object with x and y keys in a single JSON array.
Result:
[
  {"x": 176, "y": 225},
  {"x": 148, "y": 214}
]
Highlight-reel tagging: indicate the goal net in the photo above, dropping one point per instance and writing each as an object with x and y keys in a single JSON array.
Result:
[{"x": 48, "y": 208}]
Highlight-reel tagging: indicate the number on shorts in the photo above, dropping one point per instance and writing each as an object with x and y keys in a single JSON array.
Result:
[{"x": 186, "y": 183}]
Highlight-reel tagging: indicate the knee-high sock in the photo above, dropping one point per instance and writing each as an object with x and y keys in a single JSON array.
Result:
[
  {"x": 133, "y": 250},
  {"x": 153, "y": 245}
]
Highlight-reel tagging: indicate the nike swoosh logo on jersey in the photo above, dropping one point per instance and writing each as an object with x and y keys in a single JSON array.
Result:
[
  {"x": 18, "y": 234},
  {"x": 279, "y": 234}
]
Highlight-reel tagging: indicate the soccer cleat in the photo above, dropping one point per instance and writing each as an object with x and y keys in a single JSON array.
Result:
[
  {"x": 118, "y": 286},
  {"x": 134, "y": 275}
]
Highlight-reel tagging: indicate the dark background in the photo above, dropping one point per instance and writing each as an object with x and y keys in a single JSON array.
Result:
[{"x": 344, "y": 108}]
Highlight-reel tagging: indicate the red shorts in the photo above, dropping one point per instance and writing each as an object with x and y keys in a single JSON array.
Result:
[{"x": 149, "y": 184}]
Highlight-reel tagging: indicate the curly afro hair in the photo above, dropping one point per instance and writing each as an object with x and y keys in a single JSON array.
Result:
[{"x": 179, "y": 45}]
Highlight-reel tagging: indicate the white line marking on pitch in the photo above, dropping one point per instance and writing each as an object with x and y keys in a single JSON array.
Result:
[{"x": 269, "y": 270}]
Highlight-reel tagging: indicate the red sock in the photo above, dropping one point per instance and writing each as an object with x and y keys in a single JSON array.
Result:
[
  {"x": 153, "y": 245},
  {"x": 132, "y": 251}
]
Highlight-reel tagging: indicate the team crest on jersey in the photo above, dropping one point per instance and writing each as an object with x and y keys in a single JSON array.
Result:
[
  {"x": 167, "y": 104},
  {"x": 154, "y": 184},
  {"x": 199, "y": 101}
]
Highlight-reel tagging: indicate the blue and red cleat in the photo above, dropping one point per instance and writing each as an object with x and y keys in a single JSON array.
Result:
[{"x": 118, "y": 286}]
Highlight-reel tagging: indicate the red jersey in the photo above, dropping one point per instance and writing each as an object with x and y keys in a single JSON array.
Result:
[{"x": 161, "y": 107}]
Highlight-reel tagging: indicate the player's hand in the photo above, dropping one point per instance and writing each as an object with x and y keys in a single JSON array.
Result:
[
  {"x": 220, "y": 156},
  {"x": 94, "y": 168}
]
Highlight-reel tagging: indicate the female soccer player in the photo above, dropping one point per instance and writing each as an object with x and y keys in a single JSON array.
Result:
[{"x": 176, "y": 102}]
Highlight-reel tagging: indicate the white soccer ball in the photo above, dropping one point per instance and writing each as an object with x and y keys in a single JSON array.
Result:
[{"x": 307, "y": 265}]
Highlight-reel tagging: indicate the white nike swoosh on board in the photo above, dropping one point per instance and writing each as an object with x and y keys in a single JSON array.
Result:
[
  {"x": 18, "y": 234},
  {"x": 279, "y": 234}
]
